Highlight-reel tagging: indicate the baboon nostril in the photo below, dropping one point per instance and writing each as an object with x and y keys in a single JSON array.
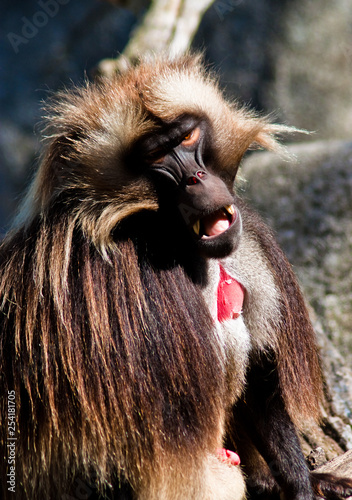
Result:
[{"x": 192, "y": 180}]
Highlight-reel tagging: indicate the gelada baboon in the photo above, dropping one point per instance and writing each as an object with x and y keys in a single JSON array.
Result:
[{"x": 148, "y": 316}]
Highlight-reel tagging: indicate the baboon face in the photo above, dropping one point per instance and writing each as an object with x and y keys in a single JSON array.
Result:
[
  {"x": 181, "y": 162},
  {"x": 158, "y": 144}
]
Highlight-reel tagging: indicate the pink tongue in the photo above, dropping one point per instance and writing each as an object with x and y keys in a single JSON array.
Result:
[{"x": 216, "y": 224}]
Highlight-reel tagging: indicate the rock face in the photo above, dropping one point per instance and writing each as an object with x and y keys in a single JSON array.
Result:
[
  {"x": 309, "y": 204},
  {"x": 293, "y": 58},
  {"x": 312, "y": 68}
]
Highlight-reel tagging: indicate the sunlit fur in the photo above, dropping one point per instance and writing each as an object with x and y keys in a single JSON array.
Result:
[
  {"x": 117, "y": 368},
  {"x": 90, "y": 128}
]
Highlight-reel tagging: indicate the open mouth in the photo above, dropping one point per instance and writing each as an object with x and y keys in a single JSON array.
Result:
[{"x": 215, "y": 223}]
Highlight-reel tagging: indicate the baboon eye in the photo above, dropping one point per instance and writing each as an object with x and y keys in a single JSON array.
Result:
[{"x": 191, "y": 138}]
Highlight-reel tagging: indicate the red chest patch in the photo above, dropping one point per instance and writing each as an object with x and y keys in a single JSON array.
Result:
[{"x": 230, "y": 297}]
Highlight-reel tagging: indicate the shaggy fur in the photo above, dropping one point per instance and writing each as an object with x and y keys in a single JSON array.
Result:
[
  {"x": 119, "y": 372},
  {"x": 116, "y": 378},
  {"x": 108, "y": 363}
]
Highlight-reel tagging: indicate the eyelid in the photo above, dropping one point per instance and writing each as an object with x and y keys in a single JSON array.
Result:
[
  {"x": 157, "y": 155},
  {"x": 192, "y": 137},
  {"x": 159, "y": 159},
  {"x": 189, "y": 140}
]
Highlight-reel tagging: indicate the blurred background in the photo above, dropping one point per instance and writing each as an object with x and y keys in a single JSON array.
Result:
[{"x": 292, "y": 59}]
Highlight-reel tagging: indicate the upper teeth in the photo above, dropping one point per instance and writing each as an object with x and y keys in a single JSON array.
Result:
[
  {"x": 230, "y": 209},
  {"x": 196, "y": 227}
]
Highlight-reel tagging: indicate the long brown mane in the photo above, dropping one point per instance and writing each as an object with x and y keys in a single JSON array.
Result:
[
  {"x": 111, "y": 367},
  {"x": 113, "y": 358}
]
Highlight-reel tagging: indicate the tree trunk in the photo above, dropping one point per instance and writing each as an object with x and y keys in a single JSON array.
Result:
[{"x": 168, "y": 26}]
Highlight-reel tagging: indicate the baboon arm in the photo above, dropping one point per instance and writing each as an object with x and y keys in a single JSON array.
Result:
[{"x": 267, "y": 424}]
